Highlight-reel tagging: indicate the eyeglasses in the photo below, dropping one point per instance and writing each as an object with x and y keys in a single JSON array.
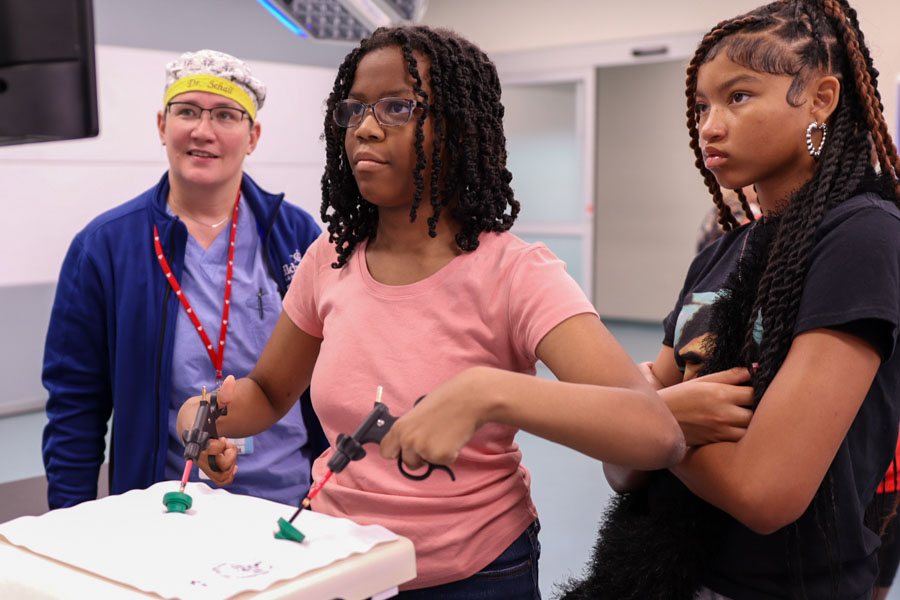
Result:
[
  {"x": 221, "y": 116},
  {"x": 389, "y": 112}
]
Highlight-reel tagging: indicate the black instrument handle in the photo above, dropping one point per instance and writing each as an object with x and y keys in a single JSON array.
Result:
[
  {"x": 431, "y": 466},
  {"x": 422, "y": 476},
  {"x": 214, "y": 413},
  {"x": 375, "y": 426},
  {"x": 372, "y": 430},
  {"x": 197, "y": 439}
]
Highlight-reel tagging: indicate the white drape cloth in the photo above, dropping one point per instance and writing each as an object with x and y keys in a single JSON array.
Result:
[{"x": 222, "y": 546}]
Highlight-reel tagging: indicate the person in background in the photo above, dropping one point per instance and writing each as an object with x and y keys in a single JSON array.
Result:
[
  {"x": 740, "y": 202},
  {"x": 883, "y": 515},
  {"x": 419, "y": 287},
  {"x": 160, "y": 295}
]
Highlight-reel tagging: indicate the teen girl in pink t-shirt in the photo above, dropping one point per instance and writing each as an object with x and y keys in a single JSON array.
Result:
[{"x": 451, "y": 307}]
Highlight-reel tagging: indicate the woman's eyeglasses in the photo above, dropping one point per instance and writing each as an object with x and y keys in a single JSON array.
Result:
[
  {"x": 389, "y": 112},
  {"x": 221, "y": 116}
]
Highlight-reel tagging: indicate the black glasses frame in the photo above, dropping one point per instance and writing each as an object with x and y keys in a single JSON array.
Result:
[{"x": 412, "y": 104}]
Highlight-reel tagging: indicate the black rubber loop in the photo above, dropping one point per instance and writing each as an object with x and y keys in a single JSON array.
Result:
[{"x": 423, "y": 476}]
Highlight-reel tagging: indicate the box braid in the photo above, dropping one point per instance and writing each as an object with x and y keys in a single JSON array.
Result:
[
  {"x": 469, "y": 174},
  {"x": 803, "y": 39},
  {"x": 723, "y": 29}
]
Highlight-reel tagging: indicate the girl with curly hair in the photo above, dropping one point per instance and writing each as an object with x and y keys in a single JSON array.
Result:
[{"x": 451, "y": 307}]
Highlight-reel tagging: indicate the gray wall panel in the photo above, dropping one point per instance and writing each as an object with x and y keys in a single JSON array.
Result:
[{"x": 23, "y": 321}]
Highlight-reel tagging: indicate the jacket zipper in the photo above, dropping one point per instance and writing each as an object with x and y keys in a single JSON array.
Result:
[
  {"x": 159, "y": 354},
  {"x": 272, "y": 272}
]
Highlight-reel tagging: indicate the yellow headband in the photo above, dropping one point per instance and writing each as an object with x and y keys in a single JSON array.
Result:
[{"x": 213, "y": 85}]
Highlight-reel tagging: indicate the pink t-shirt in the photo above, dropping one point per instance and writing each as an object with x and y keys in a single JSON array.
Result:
[{"x": 489, "y": 307}]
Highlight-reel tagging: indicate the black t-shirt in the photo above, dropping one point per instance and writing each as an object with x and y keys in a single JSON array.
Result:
[{"x": 853, "y": 285}]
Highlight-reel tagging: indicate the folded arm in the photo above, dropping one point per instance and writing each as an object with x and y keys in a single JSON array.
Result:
[
  {"x": 712, "y": 408},
  {"x": 660, "y": 374},
  {"x": 793, "y": 437}
]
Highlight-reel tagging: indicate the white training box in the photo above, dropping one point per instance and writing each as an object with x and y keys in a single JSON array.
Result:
[{"x": 128, "y": 546}]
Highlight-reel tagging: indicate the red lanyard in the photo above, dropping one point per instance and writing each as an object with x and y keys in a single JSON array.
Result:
[{"x": 216, "y": 357}]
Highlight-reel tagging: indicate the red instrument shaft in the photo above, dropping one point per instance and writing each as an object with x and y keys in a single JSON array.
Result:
[
  {"x": 187, "y": 473},
  {"x": 315, "y": 489}
]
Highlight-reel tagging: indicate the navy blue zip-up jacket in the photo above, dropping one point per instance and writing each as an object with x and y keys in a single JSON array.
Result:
[{"x": 110, "y": 340}]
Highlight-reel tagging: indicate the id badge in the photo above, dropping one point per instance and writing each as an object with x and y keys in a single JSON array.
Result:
[{"x": 244, "y": 445}]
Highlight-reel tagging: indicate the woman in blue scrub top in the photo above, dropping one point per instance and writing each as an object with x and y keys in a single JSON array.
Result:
[{"x": 163, "y": 294}]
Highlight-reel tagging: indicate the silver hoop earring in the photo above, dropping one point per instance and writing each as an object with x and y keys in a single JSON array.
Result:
[{"x": 814, "y": 151}]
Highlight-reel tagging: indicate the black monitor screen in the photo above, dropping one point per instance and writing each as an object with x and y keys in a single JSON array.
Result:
[{"x": 48, "y": 87}]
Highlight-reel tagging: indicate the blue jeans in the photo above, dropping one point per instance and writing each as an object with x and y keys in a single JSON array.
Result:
[{"x": 512, "y": 576}]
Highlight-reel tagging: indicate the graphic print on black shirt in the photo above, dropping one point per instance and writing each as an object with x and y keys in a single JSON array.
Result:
[
  {"x": 851, "y": 285},
  {"x": 710, "y": 328}
]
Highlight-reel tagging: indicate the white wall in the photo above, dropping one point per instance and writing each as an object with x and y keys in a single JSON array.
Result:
[
  {"x": 504, "y": 25},
  {"x": 58, "y": 187}
]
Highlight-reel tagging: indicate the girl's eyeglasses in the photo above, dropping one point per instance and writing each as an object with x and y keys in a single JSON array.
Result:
[{"x": 389, "y": 112}]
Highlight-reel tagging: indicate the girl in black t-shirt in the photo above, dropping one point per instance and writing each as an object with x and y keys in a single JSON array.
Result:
[{"x": 779, "y": 358}]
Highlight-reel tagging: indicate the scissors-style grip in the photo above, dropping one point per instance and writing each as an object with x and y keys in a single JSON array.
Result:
[
  {"x": 372, "y": 430},
  {"x": 197, "y": 438},
  {"x": 431, "y": 466},
  {"x": 214, "y": 413},
  {"x": 422, "y": 476}
]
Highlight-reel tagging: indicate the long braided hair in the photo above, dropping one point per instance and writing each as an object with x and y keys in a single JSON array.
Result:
[
  {"x": 468, "y": 162},
  {"x": 803, "y": 39}
]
